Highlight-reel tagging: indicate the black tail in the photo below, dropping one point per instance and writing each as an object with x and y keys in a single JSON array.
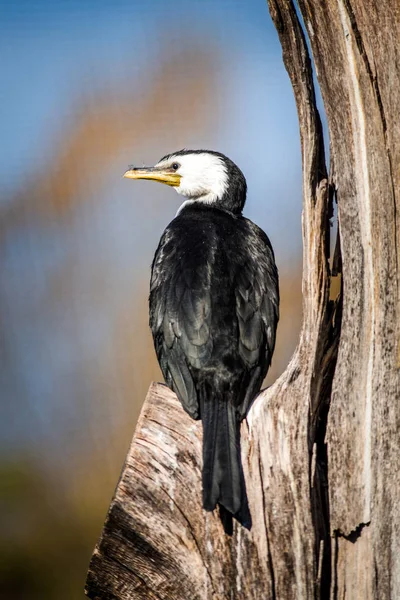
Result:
[{"x": 223, "y": 480}]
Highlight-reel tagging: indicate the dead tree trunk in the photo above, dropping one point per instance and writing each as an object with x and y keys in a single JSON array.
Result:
[{"x": 321, "y": 447}]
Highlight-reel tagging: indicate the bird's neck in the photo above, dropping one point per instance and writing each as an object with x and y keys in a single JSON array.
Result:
[
  {"x": 209, "y": 200},
  {"x": 230, "y": 203}
]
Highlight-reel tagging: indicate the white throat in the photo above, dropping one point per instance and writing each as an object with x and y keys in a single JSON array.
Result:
[{"x": 206, "y": 199}]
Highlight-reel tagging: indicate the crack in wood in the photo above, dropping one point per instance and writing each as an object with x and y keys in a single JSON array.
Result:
[
  {"x": 354, "y": 534},
  {"x": 269, "y": 557},
  {"x": 335, "y": 569}
]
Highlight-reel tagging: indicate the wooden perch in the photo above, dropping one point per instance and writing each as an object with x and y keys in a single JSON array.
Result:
[
  {"x": 158, "y": 542},
  {"x": 321, "y": 447}
]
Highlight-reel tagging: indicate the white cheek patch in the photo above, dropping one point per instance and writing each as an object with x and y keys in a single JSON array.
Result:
[{"x": 203, "y": 176}]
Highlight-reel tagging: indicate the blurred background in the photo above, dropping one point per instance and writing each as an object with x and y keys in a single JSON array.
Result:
[{"x": 86, "y": 88}]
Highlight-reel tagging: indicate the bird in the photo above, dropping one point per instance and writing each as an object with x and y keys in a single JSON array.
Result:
[{"x": 214, "y": 310}]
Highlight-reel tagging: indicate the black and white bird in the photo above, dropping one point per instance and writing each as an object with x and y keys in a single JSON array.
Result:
[{"x": 214, "y": 307}]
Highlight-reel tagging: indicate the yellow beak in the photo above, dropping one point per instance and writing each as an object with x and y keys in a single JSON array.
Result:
[{"x": 166, "y": 176}]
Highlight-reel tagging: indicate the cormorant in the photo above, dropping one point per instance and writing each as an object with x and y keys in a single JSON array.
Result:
[{"x": 214, "y": 308}]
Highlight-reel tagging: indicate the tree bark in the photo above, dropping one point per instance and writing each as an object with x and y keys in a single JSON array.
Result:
[{"x": 321, "y": 447}]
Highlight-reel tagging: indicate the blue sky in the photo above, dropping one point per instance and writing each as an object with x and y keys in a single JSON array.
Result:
[
  {"x": 49, "y": 48},
  {"x": 50, "y": 52}
]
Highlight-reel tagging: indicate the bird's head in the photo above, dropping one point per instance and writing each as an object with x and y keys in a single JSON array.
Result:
[{"x": 202, "y": 176}]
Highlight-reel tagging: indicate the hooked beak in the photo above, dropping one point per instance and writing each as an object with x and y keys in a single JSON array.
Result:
[{"x": 167, "y": 176}]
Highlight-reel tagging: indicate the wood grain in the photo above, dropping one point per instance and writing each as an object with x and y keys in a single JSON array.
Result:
[{"x": 356, "y": 45}]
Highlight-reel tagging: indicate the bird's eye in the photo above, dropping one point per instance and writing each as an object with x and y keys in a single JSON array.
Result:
[{"x": 175, "y": 166}]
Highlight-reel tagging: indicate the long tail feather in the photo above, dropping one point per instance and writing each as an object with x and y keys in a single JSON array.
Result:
[{"x": 223, "y": 480}]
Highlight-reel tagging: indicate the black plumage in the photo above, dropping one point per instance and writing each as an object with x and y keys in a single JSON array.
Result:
[{"x": 213, "y": 314}]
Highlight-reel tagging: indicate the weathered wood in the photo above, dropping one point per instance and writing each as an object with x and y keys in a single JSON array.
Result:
[
  {"x": 321, "y": 447},
  {"x": 356, "y": 45},
  {"x": 157, "y": 541}
]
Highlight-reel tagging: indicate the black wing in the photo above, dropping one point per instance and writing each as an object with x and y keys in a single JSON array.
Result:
[
  {"x": 257, "y": 310},
  {"x": 185, "y": 303},
  {"x": 180, "y": 316}
]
